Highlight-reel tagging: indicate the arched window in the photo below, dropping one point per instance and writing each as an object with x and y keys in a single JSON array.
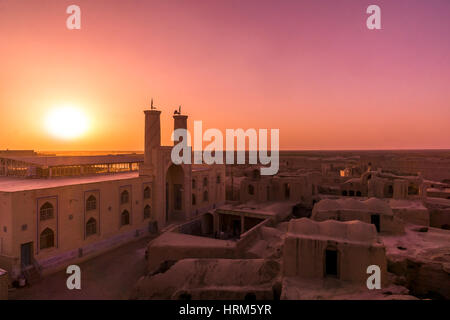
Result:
[
  {"x": 205, "y": 181},
  {"x": 358, "y": 193},
  {"x": 91, "y": 227},
  {"x": 194, "y": 184},
  {"x": 351, "y": 193},
  {"x": 147, "y": 211},
  {"x": 194, "y": 200},
  {"x": 91, "y": 203},
  {"x": 124, "y": 197},
  {"x": 47, "y": 239},
  {"x": 218, "y": 179},
  {"x": 147, "y": 193},
  {"x": 344, "y": 192},
  {"x": 251, "y": 189},
  {"x": 46, "y": 211},
  {"x": 205, "y": 196},
  {"x": 125, "y": 218}
]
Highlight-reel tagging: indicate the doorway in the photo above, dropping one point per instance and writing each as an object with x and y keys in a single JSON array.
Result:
[
  {"x": 26, "y": 253},
  {"x": 177, "y": 188},
  {"x": 331, "y": 262},
  {"x": 375, "y": 220},
  {"x": 174, "y": 192},
  {"x": 237, "y": 227}
]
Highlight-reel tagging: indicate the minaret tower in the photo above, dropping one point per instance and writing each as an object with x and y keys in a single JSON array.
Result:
[
  {"x": 152, "y": 140},
  {"x": 179, "y": 120}
]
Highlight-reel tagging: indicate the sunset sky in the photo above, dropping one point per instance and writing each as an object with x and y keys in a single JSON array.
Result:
[{"x": 309, "y": 68}]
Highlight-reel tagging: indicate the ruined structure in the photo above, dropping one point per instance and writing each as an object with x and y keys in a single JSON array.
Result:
[
  {"x": 381, "y": 184},
  {"x": 359, "y": 218},
  {"x": 372, "y": 211}
]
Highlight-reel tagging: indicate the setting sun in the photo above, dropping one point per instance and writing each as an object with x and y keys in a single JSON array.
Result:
[{"x": 66, "y": 123}]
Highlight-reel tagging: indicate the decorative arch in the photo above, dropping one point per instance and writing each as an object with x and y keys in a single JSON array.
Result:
[
  {"x": 124, "y": 197},
  {"x": 125, "y": 218},
  {"x": 175, "y": 191},
  {"x": 91, "y": 203},
  {"x": 91, "y": 227},
  {"x": 147, "y": 192},
  {"x": 46, "y": 211},
  {"x": 47, "y": 239}
]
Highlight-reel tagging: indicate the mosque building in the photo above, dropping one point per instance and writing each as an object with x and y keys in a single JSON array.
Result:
[{"x": 58, "y": 209}]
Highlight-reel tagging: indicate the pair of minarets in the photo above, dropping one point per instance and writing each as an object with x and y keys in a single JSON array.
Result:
[{"x": 153, "y": 131}]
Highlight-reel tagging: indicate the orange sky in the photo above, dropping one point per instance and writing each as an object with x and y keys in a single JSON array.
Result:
[{"x": 310, "y": 68}]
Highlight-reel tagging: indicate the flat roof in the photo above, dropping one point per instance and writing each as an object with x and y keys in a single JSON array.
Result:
[
  {"x": 176, "y": 239},
  {"x": 13, "y": 184},
  {"x": 261, "y": 209},
  {"x": 54, "y": 161}
]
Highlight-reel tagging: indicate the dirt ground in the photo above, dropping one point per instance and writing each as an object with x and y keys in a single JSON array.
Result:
[{"x": 111, "y": 275}]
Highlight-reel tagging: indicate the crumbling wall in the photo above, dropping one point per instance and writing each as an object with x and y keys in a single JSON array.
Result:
[
  {"x": 419, "y": 216},
  {"x": 440, "y": 218},
  {"x": 173, "y": 246},
  {"x": 423, "y": 277},
  {"x": 211, "y": 279}
]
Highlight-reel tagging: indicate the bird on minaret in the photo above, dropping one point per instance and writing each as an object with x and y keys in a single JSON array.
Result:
[{"x": 177, "y": 111}]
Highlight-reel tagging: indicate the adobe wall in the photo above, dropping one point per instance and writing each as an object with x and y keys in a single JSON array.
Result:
[
  {"x": 388, "y": 223},
  {"x": 305, "y": 257},
  {"x": 440, "y": 218},
  {"x": 419, "y": 216}
]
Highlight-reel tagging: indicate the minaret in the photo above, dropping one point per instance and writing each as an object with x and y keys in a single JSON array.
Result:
[
  {"x": 152, "y": 139},
  {"x": 179, "y": 121}
]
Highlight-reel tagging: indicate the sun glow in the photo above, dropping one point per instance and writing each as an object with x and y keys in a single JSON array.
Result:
[{"x": 66, "y": 123}]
